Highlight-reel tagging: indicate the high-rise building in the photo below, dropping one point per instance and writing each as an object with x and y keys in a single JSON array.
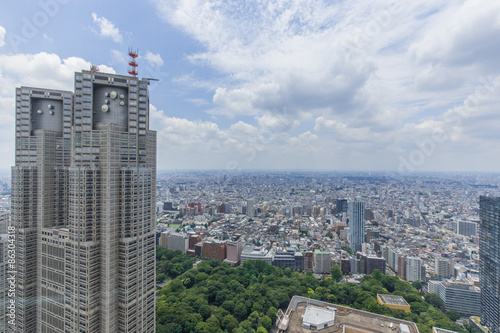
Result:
[
  {"x": 414, "y": 269},
  {"x": 489, "y": 269},
  {"x": 250, "y": 208},
  {"x": 356, "y": 224},
  {"x": 444, "y": 268},
  {"x": 341, "y": 206},
  {"x": 83, "y": 203}
]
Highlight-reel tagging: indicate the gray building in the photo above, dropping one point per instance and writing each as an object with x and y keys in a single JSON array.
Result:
[
  {"x": 83, "y": 203},
  {"x": 356, "y": 235},
  {"x": 250, "y": 208},
  {"x": 467, "y": 228},
  {"x": 178, "y": 241},
  {"x": 489, "y": 269},
  {"x": 460, "y": 296},
  {"x": 4, "y": 221},
  {"x": 322, "y": 262},
  {"x": 444, "y": 268},
  {"x": 289, "y": 259}
]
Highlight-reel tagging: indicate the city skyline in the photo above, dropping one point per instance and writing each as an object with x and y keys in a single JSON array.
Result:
[{"x": 301, "y": 85}]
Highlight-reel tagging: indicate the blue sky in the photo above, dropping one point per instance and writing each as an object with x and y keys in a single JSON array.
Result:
[{"x": 339, "y": 85}]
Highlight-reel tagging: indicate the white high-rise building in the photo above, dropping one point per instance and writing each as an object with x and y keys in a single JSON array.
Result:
[
  {"x": 414, "y": 269},
  {"x": 356, "y": 235},
  {"x": 83, "y": 203}
]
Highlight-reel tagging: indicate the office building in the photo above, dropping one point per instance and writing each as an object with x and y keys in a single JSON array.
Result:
[
  {"x": 341, "y": 206},
  {"x": 356, "y": 224},
  {"x": 489, "y": 268},
  {"x": 234, "y": 250},
  {"x": 461, "y": 296},
  {"x": 178, "y": 241},
  {"x": 467, "y": 228},
  {"x": 214, "y": 249},
  {"x": 288, "y": 259},
  {"x": 83, "y": 203}
]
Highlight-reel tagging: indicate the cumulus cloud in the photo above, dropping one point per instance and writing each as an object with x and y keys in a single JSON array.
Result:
[
  {"x": 2, "y": 36},
  {"x": 361, "y": 79},
  {"x": 154, "y": 59},
  {"x": 107, "y": 28}
]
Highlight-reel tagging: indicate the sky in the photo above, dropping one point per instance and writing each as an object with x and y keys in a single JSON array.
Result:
[{"x": 333, "y": 85}]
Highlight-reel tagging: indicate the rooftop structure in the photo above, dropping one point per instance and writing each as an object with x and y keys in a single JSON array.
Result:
[
  {"x": 316, "y": 318},
  {"x": 303, "y": 312},
  {"x": 394, "y": 302}
]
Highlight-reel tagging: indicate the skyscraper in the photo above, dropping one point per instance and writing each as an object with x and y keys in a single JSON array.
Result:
[
  {"x": 356, "y": 224},
  {"x": 83, "y": 191},
  {"x": 489, "y": 268},
  {"x": 250, "y": 208}
]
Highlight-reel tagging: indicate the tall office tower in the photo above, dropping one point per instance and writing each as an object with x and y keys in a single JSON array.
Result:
[
  {"x": 356, "y": 224},
  {"x": 489, "y": 268},
  {"x": 83, "y": 191},
  {"x": 250, "y": 208},
  {"x": 444, "y": 268}
]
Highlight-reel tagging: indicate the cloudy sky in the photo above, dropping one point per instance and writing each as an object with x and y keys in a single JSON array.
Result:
[{"x": 303, "y": 84}]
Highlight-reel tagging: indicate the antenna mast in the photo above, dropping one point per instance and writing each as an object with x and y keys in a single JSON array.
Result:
[{"x": 133, "y": 64}]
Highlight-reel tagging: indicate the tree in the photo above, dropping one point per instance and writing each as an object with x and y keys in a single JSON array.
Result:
[
  {"x": 266, "y": 322},
  {"x": 376, "y": 274},
  {"x": 434, "y": 300},
  {"x": 240, "y": 310},
  {"x": 229, "y": 323},
  {"x": 417, "y": 285},
  {"x": 261, "y": 330},
  {"x": 336, "y": 273},
  {"x": 205, "y": 311},
  {"x": 271, "y": 313},
  {"x": 453, "y": 315},
  {"x": 160, "y": 277}
]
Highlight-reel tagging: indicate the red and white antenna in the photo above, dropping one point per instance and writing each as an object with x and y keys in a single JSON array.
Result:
[{"x": 133, "y": 64}]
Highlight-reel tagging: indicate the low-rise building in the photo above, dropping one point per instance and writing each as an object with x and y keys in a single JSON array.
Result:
[{"x": 394, "y": 302}]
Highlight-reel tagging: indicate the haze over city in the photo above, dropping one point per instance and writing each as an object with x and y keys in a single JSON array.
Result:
[{"x": 358, "y": 85}]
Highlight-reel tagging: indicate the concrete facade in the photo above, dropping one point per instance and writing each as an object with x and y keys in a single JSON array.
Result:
[{"x": 83, "y": 203}]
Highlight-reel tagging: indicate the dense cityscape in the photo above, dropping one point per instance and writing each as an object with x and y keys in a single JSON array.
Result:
[{"x": 419, "y": 227}]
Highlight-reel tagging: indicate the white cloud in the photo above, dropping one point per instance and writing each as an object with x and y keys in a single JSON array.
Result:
[
  {"x": 107, "y": 28},
  {"x": 154, "y": 59},
  {"x": 2, "y": 36},
  {"x": 119, "y": 57},
  {"x": 364, "y": 80}
]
